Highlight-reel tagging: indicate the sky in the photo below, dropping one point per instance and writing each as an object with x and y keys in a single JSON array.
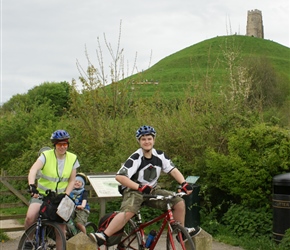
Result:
[{"x": 41, "y": 41}]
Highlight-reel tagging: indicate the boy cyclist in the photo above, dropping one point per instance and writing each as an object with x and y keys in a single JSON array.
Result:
[{"x": 139, "y": 175}]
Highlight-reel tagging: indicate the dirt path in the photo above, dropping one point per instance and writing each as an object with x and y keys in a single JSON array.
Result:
[
  {"x": 12, "y": 244},
  {"x": 15, "y": 237}
]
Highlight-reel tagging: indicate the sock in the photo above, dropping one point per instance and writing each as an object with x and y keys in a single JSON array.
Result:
[{"x": 106, "y": 236}]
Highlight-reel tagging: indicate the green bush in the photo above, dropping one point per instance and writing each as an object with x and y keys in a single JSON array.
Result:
[
  {"x": 254, "y": 156},
  {"x": 248, "y": 222},
  {"x": 285, "y": 243}
]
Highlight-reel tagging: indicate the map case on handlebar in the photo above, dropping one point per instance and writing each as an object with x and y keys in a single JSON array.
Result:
[{"x": 65, "y": 208}]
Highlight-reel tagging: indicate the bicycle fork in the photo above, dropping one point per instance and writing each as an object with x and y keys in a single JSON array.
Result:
[
  {"x": 37, "y": 234},
  {"x": 167, "y": 221},
  {"x": 171, "y": 222},
  {"x": 40, "y": 233}
]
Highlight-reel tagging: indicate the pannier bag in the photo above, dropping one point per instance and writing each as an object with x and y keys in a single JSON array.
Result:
[
  {"x": 103, "y": 224},
  {"x": 48, "y": 209}
]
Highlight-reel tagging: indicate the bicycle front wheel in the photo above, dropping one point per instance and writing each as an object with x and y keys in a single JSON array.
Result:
[
  {"x": 48, "y": 236},
  {"x": 179, "y": 239},
  {"x": 129, "y": 239}
]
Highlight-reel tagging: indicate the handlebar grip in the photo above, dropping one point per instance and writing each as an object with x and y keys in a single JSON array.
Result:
[{"x": 149, "y": 196}]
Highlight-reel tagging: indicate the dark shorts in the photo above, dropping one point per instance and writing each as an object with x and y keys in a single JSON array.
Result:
[{"x": 133, "y": 200}]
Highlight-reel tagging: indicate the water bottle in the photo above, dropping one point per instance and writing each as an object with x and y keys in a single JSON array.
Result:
[
  {"x": 150, "y": 238},
  {"x": 72, "y": 227}
]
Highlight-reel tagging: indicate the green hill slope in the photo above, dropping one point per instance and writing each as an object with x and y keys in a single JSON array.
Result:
[{"x": 206, "y": 60}]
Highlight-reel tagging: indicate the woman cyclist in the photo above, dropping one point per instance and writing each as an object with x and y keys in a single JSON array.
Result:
[{"x": 55, "y": 170}]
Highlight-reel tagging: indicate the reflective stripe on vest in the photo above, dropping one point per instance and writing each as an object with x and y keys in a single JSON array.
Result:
[{"x": 49, "y": 176}]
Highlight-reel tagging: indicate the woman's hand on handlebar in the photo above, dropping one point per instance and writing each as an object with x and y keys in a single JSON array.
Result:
[{"x": 33, "y": 191}]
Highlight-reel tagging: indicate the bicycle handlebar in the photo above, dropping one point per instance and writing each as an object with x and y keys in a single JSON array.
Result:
[{"x": 162, "y": 197}]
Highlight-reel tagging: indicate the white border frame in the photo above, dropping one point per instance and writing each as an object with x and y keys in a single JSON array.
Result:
[{"x": 105, "y": 185}]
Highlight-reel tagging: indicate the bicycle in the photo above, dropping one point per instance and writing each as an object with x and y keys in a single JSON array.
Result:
[
  {"x": 72, "y": 229},
  {"x": 42, "y": 235},
  {"x": 177, "y": 237},
  {"x": 47, "y": 233}
]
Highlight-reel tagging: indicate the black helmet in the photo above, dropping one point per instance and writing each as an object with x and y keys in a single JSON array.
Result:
[
  {"x": 59, "y": 135},
  {"x": 145, "y": 130}
]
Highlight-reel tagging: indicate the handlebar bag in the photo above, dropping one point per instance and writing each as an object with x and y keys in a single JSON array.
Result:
[{"x": 49, "y": 207}]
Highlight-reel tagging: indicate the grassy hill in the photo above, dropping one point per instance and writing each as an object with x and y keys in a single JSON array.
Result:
[{"x": 206, "y": 60}]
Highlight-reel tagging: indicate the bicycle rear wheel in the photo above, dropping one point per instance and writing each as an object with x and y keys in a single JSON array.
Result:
[
  {"x": 179, "y": 239},
  {"x": 129, "y": 241},
  {"x": 43, "y": 237},
  {"x": 91, "y": 227}
]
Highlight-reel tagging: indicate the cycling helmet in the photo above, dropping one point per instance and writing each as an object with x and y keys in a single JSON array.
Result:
[
  {"x": 59, "y": 135},
  {"x": 42, "y": 150},
  {"x": 145, "y": 130},
  {"x": 84, "y": 177}
]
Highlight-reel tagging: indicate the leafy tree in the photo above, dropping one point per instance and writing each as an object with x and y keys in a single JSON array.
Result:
[
  {"x": 268, "y": 89},
  {"x": 15, "y": 103},
  {"x": 255, "y": 155},
  {"x": 57, "y": 94},
  {"x": 20, "y": 130}
]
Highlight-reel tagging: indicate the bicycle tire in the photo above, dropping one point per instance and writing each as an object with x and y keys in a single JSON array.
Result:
[
  {"x": 50, "y": 229},
  {"x": 174, "y": 238},
  {"x": 134, "y": 241},
  {"x": 91, "y": 227}
]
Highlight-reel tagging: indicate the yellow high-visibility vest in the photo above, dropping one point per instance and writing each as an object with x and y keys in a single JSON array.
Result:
[{"x": 49, "y": 175}]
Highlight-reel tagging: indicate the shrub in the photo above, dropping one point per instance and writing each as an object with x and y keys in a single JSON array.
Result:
[
  {"x": 285, "y": 243},
  {"x": 248, "y": 222},
  {"x": 255, "y": 155}
]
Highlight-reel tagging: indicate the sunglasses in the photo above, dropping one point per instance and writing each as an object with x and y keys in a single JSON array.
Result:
[{"x": 59, "y": 145}]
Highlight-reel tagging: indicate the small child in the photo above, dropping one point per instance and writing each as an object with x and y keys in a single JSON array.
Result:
[{"x": 80, "y": 197}]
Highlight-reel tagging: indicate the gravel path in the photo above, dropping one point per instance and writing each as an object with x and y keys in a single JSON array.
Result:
[{"x": 15, "y": 237}]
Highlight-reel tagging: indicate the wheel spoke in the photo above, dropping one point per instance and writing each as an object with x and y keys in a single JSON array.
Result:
[{"x": 179, "y": 239}]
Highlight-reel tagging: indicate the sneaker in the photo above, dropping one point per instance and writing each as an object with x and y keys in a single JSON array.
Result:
[
  {"x": 28, "y": 245},
  {"x": 193, "y": 231},
  {"x": 99, "y": 238}
]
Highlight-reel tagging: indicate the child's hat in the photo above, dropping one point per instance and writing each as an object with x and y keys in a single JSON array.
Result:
[{"x": 83, "y": 178}]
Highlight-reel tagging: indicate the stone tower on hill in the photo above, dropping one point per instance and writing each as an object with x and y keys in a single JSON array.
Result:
[{"x": 255, "y": 24}]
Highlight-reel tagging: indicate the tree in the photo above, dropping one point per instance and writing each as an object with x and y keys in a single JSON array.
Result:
[
  {"x": 57, "y": 94},
  {"x": 255, "y": 155}
]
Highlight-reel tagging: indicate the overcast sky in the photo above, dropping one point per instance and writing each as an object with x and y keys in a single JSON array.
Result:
[{"x": 42, "y": 40}]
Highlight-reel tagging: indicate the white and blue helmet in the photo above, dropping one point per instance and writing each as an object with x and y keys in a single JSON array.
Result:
[{"x": 145, "y": 130}]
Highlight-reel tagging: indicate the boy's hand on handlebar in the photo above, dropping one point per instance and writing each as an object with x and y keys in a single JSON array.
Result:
[
  {"x": 80, "y": 207},
  {"x": 33, "y": 190},
  {"x": 185, "y": 187},
  {"x": 146, "y": 189}
]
